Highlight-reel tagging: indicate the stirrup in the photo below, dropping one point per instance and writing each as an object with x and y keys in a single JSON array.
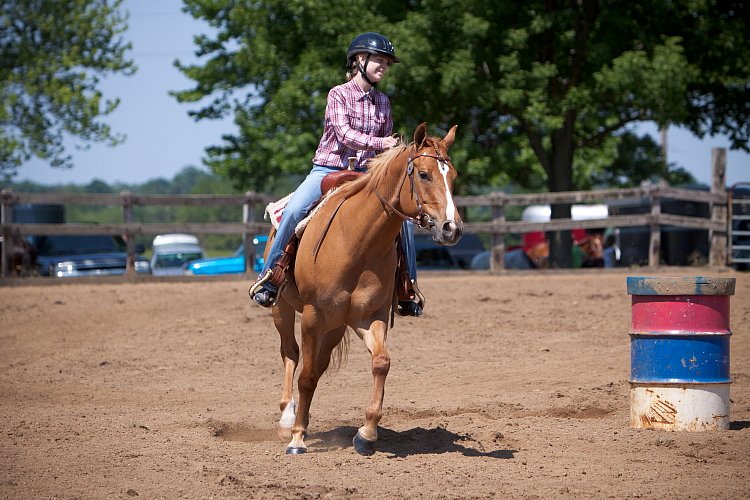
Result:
[
  {"x": 418, "y": 297},
  {"x": 258, "y": 286},
  {"x": 415, "y": 305}
]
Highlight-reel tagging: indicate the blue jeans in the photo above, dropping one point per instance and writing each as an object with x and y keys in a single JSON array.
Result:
[
  {"x": 298, "y": 208},
  {"x": 407, "y": 240}
]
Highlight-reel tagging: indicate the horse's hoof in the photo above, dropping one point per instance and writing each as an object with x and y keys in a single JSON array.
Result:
[
  {"x": 295, "y": 450},
  {"x": 363, "y": 446}
]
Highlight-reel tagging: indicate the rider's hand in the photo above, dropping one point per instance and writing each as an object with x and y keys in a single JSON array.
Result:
[{"x": 389, "y": 142}]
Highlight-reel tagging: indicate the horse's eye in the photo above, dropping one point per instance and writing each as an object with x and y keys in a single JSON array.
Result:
[{"x": 424, "y": 176}]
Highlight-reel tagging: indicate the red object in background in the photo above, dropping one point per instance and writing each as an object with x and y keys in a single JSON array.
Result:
[
  {"x": 578, "y": 235},
  {"x": 530, "y": 240}
]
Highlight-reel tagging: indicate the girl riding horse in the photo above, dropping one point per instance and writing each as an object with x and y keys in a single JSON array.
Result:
[
  {"x": 357, "y": 125},
  {"x": 345, "y": 272}
]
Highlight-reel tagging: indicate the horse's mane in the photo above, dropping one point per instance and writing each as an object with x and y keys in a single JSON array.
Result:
[{"x": 370, "y": 182}]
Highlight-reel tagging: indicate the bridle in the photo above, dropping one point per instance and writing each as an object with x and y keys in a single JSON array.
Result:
[{"x": 422, "y": 219}]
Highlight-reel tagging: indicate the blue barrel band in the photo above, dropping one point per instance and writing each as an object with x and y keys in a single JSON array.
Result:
[{"x": 672, "y": 358}]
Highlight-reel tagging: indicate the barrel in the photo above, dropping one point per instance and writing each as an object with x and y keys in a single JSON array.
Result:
[{"x": 679, "y": 352}]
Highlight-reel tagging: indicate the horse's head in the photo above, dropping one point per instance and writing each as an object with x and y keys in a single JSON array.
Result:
[{"x": 431, "y": 176}]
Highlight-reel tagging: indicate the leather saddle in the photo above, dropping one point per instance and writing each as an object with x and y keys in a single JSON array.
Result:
[{"x": 285, "y": 264}]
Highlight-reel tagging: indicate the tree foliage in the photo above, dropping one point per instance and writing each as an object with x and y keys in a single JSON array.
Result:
[
  {"x": 539, "y": 89},
  {"x": 53, "y": 56},
  {"x": 639, "y": 160}
]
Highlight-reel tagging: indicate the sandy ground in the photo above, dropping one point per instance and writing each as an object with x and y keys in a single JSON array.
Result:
[{"x": 510, "y": 386}]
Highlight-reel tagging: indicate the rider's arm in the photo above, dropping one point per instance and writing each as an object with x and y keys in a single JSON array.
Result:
[{"x": 338, "y": 115}]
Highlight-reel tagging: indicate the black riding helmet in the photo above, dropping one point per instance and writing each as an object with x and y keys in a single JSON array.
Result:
[{"x": 370, "y": 43}]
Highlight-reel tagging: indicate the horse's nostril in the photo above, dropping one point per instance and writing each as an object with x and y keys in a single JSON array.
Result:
[{"x": 449, "y": 227}]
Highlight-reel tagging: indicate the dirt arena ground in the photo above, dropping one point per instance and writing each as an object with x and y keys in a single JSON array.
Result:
[{"x": 511, "y": 386}]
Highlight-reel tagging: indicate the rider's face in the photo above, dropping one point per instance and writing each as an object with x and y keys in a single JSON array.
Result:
[{"x": 376, "y": 67}]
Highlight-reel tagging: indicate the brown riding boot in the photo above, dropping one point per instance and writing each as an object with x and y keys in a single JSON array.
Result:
[{"x": 267, "y": 288}]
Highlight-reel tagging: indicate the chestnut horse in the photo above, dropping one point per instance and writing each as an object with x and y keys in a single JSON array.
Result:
[{"x": 345, "y": 272}]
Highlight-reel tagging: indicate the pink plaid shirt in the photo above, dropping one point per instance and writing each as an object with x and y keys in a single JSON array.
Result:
[{"x": 355, "y": 124}]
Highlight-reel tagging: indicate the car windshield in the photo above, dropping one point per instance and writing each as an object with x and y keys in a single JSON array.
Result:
[
  {"x": 79, "y": 244},
  {"x": 176, "y": 259}
]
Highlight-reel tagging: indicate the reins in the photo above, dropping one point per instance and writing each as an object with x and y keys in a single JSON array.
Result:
[{"x": 422, "y": 219}]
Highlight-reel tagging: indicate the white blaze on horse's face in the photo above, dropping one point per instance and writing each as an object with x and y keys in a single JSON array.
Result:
[{"x": 450, "y": 209}]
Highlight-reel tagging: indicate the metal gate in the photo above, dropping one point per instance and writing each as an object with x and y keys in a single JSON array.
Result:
[{"x": 739, "y": 225}]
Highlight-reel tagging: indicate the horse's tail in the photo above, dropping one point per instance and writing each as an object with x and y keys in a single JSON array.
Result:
[{"x": 340, "y": 353}]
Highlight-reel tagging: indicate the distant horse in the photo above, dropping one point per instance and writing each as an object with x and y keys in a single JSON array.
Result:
[
  {"x": 345, "y": 272},
  {"x": 21, "y": 255}
]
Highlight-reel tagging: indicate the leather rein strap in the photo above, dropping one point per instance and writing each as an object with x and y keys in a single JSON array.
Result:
[{"x": 422, "y": 219}]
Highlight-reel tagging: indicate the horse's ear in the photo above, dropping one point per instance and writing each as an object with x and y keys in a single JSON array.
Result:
[
  {"x": 420, "y": 134},
  {"x": 449, "y": 138}
]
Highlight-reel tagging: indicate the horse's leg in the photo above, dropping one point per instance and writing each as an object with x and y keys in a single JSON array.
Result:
[
  {"x": 283, "y": 318},
  {"x": 308, "y": 378},
  {"x": 374, "y": 338},
  {"x": 328, "y": 343}
]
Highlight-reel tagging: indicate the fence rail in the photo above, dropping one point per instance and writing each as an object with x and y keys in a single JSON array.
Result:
[
  {"x": 498, "y": 227},
  {"x": 250, "y": 202}
]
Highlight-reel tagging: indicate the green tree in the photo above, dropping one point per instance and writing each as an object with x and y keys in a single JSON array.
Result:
[
  {"x": 639, "y": 159},
  {"x": 53, "y": 55},
  {"x": 539, "y": 88}
]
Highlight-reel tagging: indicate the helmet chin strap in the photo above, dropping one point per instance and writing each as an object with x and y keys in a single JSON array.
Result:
[{"x": 363, "y": 70}]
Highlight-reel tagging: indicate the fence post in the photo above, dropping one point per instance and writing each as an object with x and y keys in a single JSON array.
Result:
[
  {"x": 718, "y": 239},
  {"x": 6, "y": 217},
  {"x": 497, "y": 251},
  {"x": 654, "y": 244},
  {"x": 127, "y": 218},
  {"x": 248, "y": 215}
]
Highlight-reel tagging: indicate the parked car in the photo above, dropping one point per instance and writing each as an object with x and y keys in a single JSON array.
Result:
[
  {"x": 430, "y": 255},
  {"x": 84, "y": 255},
  {"x": 229, "y": 265},
  {"x": 514, "y": 259},
  {"x": 171, "y": 252},
  {"x": 680, "y": 246}
]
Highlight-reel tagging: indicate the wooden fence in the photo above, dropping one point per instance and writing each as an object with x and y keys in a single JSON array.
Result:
[
  {"x": 497, "y": 228},
  {"x": 250, "y": 202}
]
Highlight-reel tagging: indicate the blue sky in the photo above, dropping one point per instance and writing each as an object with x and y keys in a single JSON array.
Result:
[{"x": 162, "y": 139}]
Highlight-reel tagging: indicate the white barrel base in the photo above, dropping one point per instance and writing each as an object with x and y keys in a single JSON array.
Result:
[{"x": 679, "y": 407}]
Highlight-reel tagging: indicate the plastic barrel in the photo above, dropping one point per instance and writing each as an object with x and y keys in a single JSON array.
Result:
[{"x": 679, "y": 352}]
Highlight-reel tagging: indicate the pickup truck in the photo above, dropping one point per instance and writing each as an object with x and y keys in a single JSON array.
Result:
[{"x": 64, "y": 256}]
